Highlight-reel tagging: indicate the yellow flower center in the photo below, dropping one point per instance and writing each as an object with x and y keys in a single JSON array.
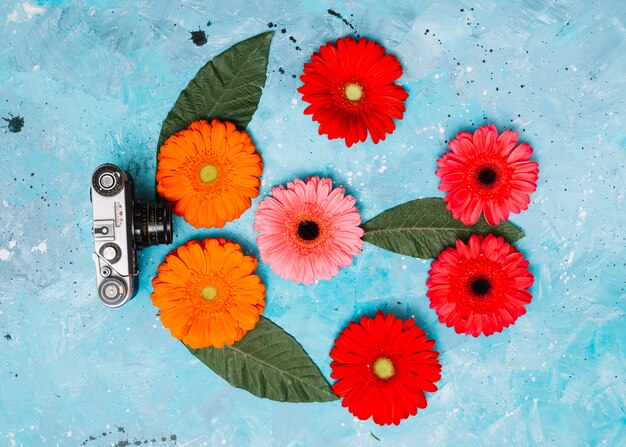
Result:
[
  {"x": 208, "y": 173},
  {"x": 209, "y": 293},
  {"x": 353, "y": 92},
  {"x": 383, "y": 368}
]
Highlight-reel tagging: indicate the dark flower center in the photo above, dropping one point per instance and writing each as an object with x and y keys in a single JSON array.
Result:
[
  {"x": 480, "y": 287},
  {"x": 308, "y": 230},
  {"x": 487, "y": 176}
]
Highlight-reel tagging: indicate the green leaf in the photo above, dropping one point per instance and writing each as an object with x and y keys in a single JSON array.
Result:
[
  {"x": 227, "y": 88},
  {"x": 423, "y": 228},
  {"x": 268, "y": 362}
]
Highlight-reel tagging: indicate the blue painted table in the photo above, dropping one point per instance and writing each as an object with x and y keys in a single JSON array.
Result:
[{"x": 92, "y": 82}]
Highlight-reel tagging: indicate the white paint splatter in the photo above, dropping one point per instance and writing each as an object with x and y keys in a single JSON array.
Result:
[
  {"x": 4, "y": 254},
  {"x": 32, "y": 10},
  {"x": 12, "y": 244},
  {"x": 570, "y": 258},
  {"x": 26, "y": 12},
  {"x": 41, "y": 248}
]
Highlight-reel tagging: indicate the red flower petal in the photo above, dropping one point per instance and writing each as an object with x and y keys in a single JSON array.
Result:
[
  {"x": 479, "y": 287},
  {"x": 374, "y": 101},
  {"x": 386, "y": 395}
]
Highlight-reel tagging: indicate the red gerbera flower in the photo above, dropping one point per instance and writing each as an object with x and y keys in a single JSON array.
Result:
[
  {"x": 480, "y": 286},
  {"x": 383, "y": 366},
  {"x": 350, "y": 87},
  {"x": 487, "y": 172}
]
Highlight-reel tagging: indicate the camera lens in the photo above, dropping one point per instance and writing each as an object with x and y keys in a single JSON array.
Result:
[{"x": 152, "y": 223}]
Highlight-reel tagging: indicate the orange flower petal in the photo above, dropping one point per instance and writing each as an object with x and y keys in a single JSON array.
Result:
[
  {"x": 226, "y": 317},
  {"x": 230, "y": 151}
]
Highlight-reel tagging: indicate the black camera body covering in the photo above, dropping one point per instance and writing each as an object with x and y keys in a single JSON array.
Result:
[{"x": 121, "y": 227}]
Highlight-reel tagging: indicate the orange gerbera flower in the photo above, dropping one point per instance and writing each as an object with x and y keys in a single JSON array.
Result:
[
  {"x": 209, "y": 172},
  {"x": 207, "y": 293}
]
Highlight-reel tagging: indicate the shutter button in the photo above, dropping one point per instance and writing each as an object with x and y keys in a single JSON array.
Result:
[{"x": 109, "y": 253}]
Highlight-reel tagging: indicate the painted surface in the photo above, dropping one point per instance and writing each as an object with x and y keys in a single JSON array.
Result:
[{"x": 86, "y": 82}]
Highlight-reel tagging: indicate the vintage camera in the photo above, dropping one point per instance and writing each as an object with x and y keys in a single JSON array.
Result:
[{"x": 122, "y": 226}]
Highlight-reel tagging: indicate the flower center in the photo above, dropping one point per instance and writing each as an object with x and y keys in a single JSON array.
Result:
[
  {"x": 208, "y": 173},
  {"x": 383, "y": 368},
  {"x": 209, "y": 293},
  {"x": 487, "y": 176},
  {"x": 353, "y": 92},
  {"x": 480, "y": 287},
  {"x": 308, "y": 230}
]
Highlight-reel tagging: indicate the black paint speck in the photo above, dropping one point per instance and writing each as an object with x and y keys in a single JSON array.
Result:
[
  {"x": 8, "y": 337},
  {"x": 208, "y": 23},
  {"x": 340, "y": 17},
  {"x": 293, "y": 39},
  {"x": 15, "y": 123},
  {"x": 284, "y": 30},
  {"x": 198, "y": 37},
  {"x": 271, "y": 25},
  {"x": 281, "y": 71},
  {"x": 173, "y": 437}
]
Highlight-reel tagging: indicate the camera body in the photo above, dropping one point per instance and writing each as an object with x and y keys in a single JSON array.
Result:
[{"x": 121, "y": 227}]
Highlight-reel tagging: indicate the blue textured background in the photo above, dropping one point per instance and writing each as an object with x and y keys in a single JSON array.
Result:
[{"x": 93, "y": 81}]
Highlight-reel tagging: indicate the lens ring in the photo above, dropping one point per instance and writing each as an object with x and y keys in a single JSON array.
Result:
[{"x": 152, "y": 223}]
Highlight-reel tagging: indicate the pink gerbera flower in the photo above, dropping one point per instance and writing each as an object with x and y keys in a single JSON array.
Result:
[
  {"x": 484, "y": 172},
  {"x": 308, "y": 231}
]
